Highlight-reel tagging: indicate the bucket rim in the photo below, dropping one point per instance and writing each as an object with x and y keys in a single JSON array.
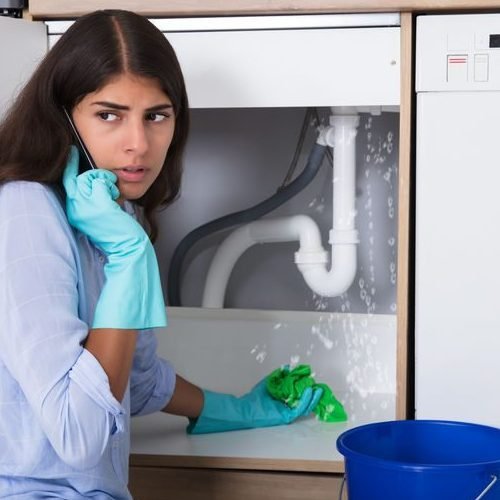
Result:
[{"x": 350, "y": 454}]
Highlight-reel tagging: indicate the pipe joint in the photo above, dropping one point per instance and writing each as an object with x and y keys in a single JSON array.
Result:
[
  {"x": 346, "y": 237},
  {"x": 350, "y": 121},
  {"x": 307, "y": 257}
]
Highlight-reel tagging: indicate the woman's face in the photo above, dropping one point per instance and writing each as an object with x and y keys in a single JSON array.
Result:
[{"x": 127, "y": 126}]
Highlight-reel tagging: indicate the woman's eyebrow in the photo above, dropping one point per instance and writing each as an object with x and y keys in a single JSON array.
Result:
[
  {"x": 159, "y": 107},
  {"x": 114, "y": 105}
]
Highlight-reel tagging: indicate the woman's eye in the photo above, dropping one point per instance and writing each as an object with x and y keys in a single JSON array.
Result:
[
  {"x": 107, "y": 117},
  {"x": 156, "y": 117}
]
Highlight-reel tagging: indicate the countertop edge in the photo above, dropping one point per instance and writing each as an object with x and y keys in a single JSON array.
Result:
[
  {"x": 180, "y": 461},
  {"x": 54, "y": 9}
]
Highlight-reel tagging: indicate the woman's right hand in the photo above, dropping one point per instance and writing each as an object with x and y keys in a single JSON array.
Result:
[
  {"x": 91, "y": 208},
  {"x": 132, "y": 297}
]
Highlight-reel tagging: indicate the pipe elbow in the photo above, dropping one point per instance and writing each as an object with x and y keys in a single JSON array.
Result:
[
  {"x": 340, "y": 276},
  {"x": 293, "y": 228}
]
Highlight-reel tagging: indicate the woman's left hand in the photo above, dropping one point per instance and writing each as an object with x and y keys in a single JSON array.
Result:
[{"x": 223, "y": 412}]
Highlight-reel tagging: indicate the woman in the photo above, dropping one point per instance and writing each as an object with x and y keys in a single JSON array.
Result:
[{"x": 79, "y": 281}]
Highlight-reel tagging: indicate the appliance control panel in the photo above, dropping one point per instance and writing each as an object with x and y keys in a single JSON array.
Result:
[{"x": 458, "y": 52}]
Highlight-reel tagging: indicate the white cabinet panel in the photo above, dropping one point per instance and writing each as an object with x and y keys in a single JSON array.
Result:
[
  {"x": 300, "y": 67},
  {"x": 271, "y": 64}
]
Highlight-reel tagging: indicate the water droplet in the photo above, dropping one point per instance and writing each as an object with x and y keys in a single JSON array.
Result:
[{"x": 261, "y": 356}]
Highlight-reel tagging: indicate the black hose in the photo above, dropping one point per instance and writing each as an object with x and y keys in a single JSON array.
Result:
[
  {"x": 298, "y": 148},
  {"x": 242, "y": 217}
]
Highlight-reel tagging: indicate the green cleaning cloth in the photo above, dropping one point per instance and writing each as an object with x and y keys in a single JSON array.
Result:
[{"x": 288, "y": 385}]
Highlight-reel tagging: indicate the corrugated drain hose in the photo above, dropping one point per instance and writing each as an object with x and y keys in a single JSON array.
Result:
[{"x": 242, "y": 217}]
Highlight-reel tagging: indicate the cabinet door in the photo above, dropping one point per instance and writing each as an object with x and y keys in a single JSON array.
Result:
[{"x": 22, "y": 45}]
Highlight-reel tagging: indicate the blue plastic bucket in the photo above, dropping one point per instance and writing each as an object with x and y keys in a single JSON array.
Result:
[{"x": 422, "y": 459}]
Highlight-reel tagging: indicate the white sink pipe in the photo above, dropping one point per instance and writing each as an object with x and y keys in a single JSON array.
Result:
[
  {"x": 294, "y": 228},
  {"x": 311, "y": 258}
]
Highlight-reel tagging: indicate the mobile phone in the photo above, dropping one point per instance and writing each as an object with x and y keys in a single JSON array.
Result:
[{"x": 85, "y": 161}]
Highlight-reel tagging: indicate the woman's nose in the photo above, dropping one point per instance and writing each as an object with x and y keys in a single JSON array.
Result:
[{"x": 136, "y": 139}]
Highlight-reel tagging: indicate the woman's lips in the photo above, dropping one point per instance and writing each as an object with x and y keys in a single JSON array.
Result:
[{"x": 131, "y": 174}]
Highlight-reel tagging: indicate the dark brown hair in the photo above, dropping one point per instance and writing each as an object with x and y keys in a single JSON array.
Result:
[{"x": 35, "y": 138}]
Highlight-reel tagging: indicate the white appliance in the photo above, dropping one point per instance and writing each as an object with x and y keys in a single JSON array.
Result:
[{"x": 457, "y": 313}]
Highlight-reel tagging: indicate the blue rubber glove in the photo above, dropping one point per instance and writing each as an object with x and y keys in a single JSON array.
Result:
[
  {"x": 132, "y": 297},
  {"x": 223, "y": 412}
]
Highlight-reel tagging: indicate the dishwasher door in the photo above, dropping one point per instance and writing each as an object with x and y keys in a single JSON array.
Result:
[{"x": 457, "y": 282}]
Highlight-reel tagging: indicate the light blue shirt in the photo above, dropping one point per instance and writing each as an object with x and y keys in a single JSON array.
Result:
[{"x": 62, "y": 433}]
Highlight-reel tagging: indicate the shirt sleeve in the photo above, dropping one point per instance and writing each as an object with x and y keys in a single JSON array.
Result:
[
  {"x": 41, "y": 335},
  {"x": 152, "y": 381}
]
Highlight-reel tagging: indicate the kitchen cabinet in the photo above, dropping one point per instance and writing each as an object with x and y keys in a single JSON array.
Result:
[{"x": 285, "y": 477}]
